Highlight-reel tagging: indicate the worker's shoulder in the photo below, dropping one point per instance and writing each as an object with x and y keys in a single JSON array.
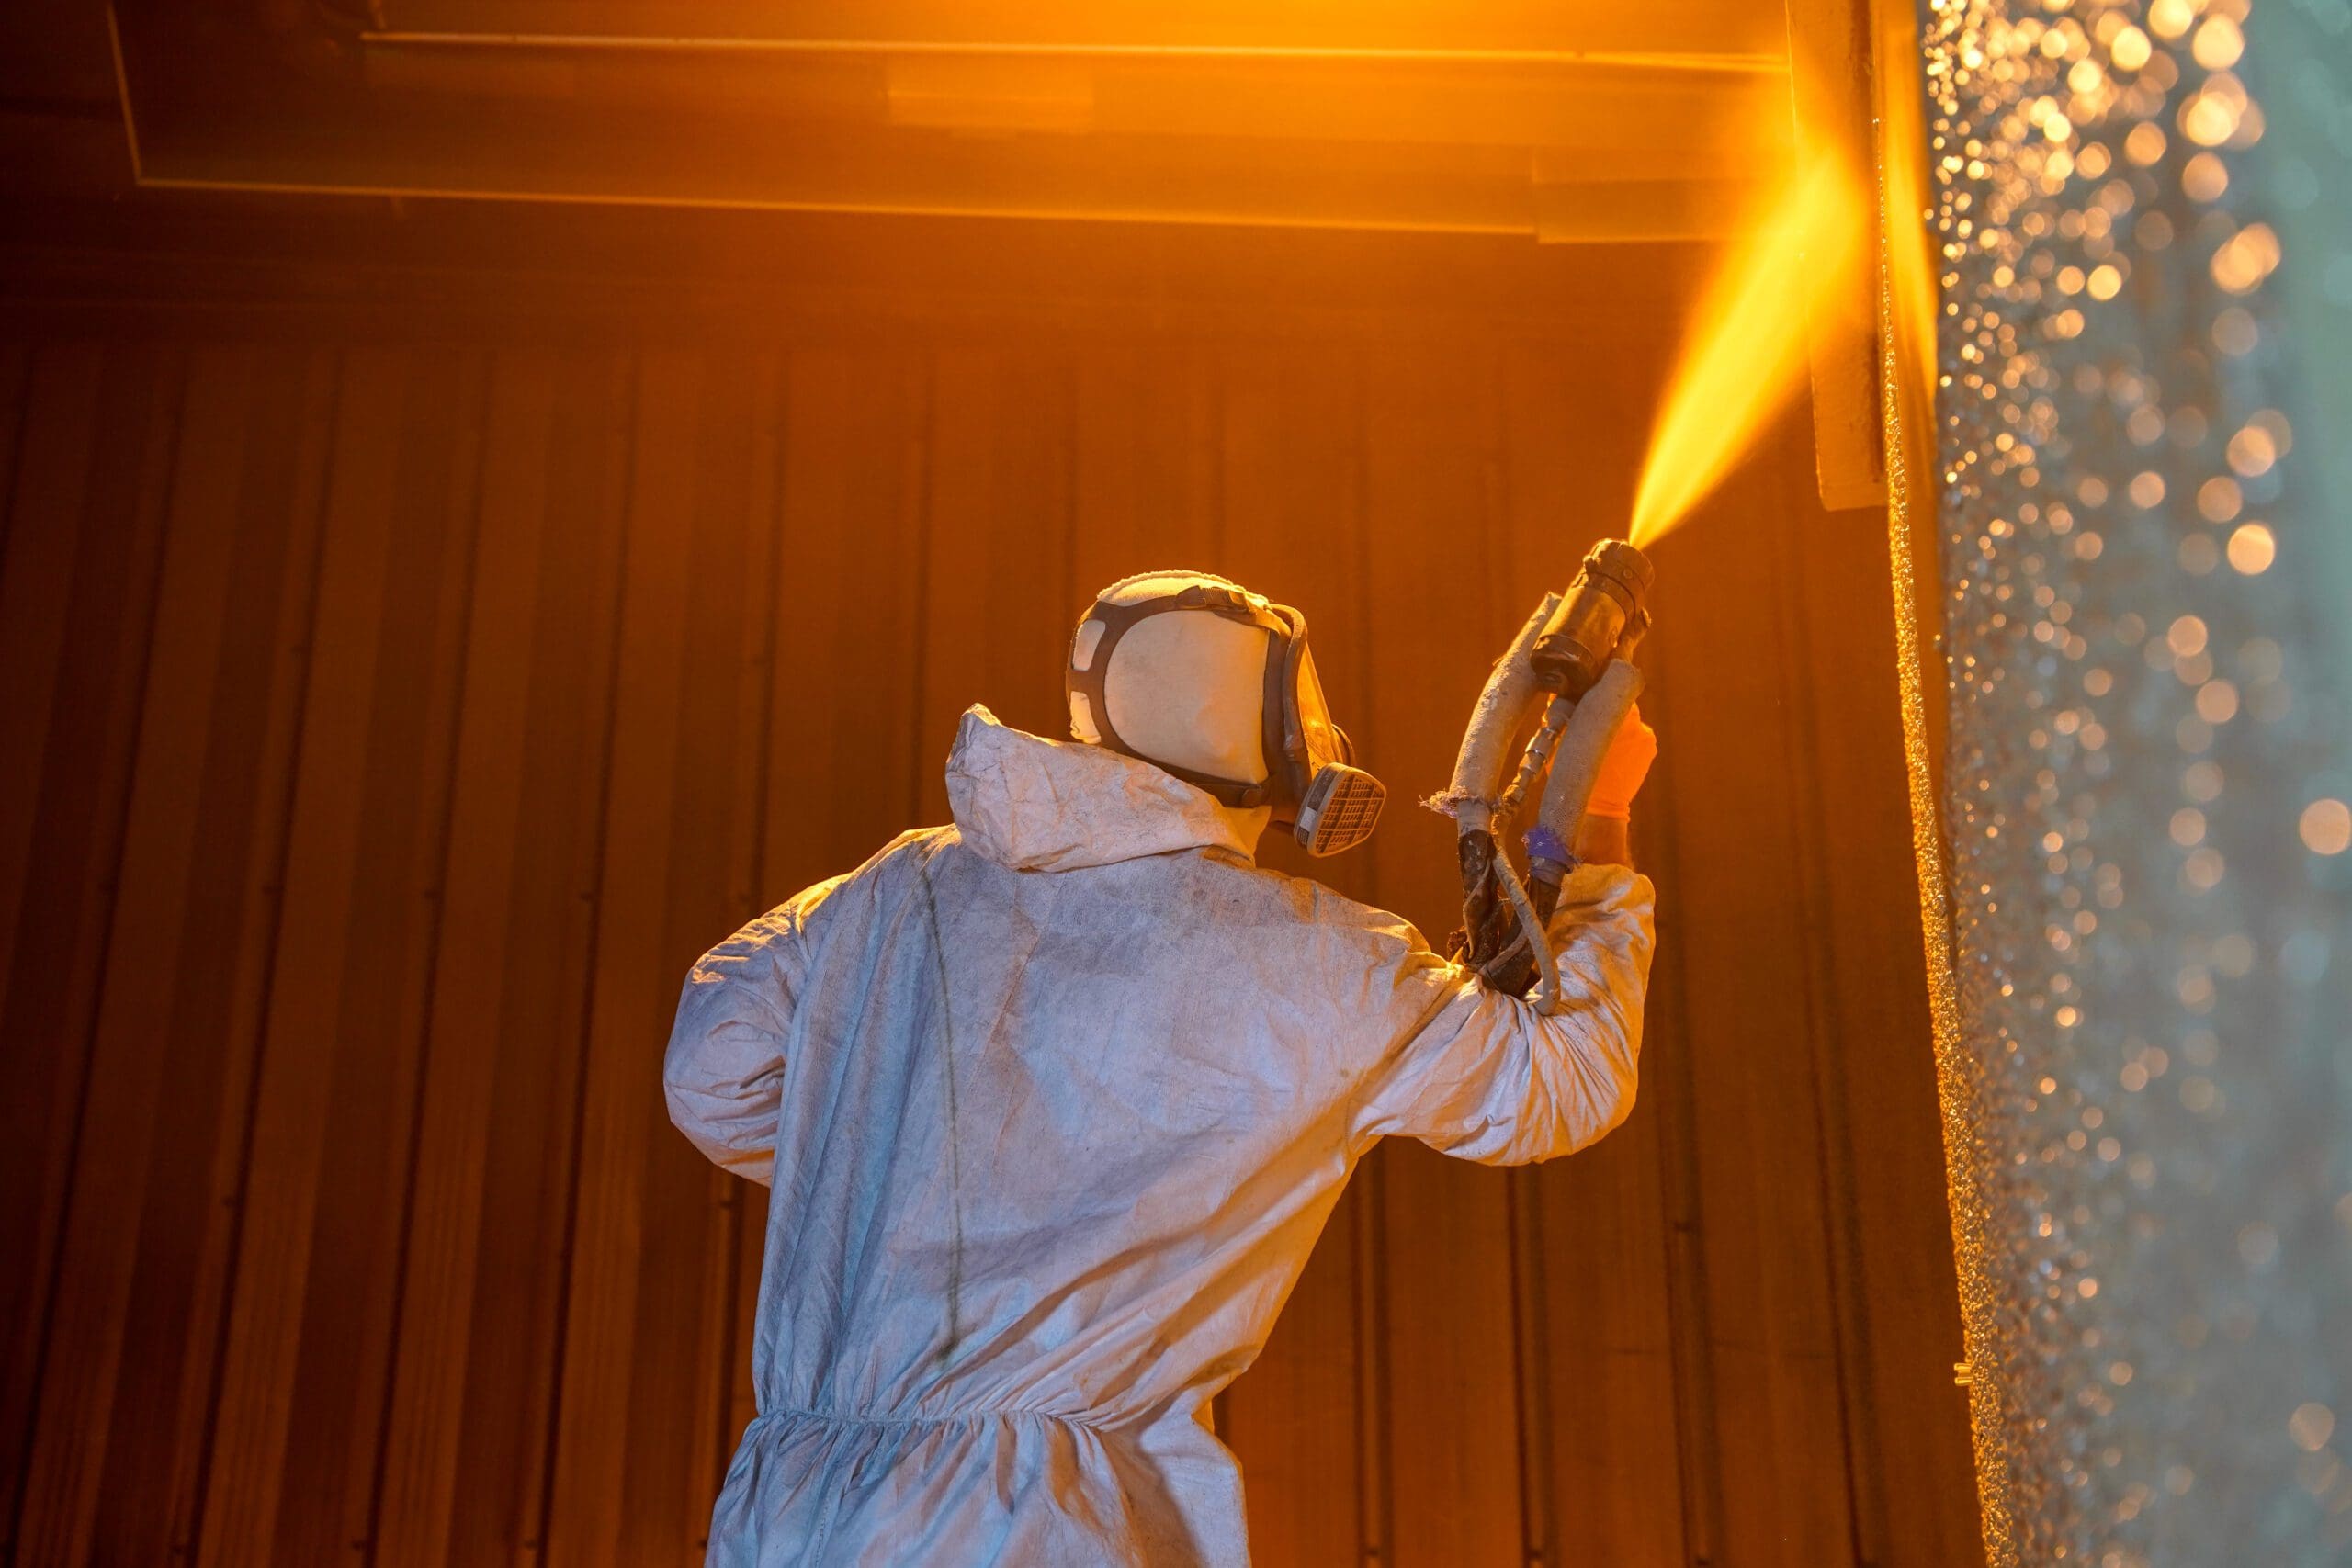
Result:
[
  {"x": 1278, "y": 896},
  {"x": 901, "y": 855},
  {"x": 904, "y": 851},
  {"x": 1241, "y": 888},
  {"x": 914, "y": 842}
]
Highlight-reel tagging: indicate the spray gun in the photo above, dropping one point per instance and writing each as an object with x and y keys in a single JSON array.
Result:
[{"x": 1573, "y": 657}]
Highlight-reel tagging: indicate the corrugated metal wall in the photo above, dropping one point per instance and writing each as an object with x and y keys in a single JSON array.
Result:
[{"x": 384, "y": 729}]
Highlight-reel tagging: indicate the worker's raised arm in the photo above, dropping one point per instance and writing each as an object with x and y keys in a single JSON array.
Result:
[
  {"x": 1484, "y": 1076},
  {"x": 723, "y": 1073}
]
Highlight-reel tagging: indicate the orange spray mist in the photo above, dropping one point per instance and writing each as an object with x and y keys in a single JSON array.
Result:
[
  {"x": 1746, "y": 350},
  {"x": 1745, "y": 354}
]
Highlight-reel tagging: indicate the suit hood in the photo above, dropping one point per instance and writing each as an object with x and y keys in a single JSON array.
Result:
[{"x": 1037, "y": 805}]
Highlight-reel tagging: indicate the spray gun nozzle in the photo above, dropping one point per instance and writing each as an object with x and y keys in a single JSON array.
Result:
[{"x": 1600, "y": 618}]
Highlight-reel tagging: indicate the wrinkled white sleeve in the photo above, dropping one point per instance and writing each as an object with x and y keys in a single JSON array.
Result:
[
  {"x": 1484, "y": 1077},
  {"x": 723, "y": 1074}
]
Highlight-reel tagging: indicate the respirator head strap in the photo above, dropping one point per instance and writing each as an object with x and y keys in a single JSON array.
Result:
[
  {"x": 1085, "y": 675},
  {"x": 1311, "y": 781}
]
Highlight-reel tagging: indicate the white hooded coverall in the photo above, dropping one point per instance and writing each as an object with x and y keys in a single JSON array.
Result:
[{"x": 1054, "y": 1103}]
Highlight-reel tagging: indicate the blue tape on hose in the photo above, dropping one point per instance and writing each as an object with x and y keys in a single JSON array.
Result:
[{"x": 1545, "y": 844}]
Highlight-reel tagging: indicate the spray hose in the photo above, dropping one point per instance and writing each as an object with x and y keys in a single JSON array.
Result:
[
  {"x": 1477, "y": 767},
  {"x": 1571, "y": 655},
  {"x": 1575, "y": 766}
]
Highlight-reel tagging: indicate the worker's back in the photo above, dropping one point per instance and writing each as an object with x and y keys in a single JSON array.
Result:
[{"x": 1057, "y": 1101}]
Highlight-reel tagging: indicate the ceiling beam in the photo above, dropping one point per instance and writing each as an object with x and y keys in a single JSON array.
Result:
[
  {"x": 1561, "y": 146},
  {"x": 1658, "y": 27}
]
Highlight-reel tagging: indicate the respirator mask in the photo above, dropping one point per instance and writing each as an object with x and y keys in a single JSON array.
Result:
[{"x": 1215, "y": 685}]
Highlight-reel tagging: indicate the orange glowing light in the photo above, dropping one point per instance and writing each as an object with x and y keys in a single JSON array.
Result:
[
  {"x": 1746, "y": 351},
  {"x": 2326, "y": 826}
]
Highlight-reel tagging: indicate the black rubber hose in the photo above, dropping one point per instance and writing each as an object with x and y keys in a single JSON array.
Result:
[{"x": 1485, "y": 917}]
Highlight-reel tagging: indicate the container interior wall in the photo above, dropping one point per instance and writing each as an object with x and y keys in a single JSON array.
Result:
[{"x": 392, "y": 717}]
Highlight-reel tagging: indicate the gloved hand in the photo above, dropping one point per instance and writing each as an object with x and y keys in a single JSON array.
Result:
[{"x": 1622, "y": 768}]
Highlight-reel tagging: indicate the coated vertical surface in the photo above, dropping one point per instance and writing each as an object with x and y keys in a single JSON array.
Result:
[{"x": 388, "y": 727}]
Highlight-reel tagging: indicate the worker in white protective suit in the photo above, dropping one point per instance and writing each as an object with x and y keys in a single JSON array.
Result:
[{"x": 1054, "y": 1102}]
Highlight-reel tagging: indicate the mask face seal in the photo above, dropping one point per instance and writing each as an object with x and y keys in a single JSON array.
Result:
[{"x": 1313, "y": 784}]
